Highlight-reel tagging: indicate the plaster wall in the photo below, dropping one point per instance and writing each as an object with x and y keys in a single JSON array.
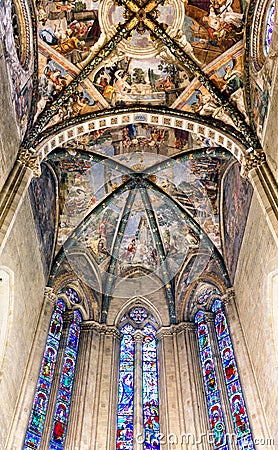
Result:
[{"x": 21, "y": 255}]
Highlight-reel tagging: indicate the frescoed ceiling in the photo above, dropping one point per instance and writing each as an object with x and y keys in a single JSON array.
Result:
[{"x": 148, "y": 192}]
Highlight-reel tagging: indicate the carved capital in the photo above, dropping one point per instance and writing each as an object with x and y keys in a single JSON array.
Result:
[
  {"x": 228, "y": 297},
  {"x": 29, "y": 158},
  {"x": 186, "y": 326},
  {"x": 251, "y": 161},
  {"x": 50, "y": 296},
  {"x": 90, "y": 325},
  {"x": 138, "y": 336}
]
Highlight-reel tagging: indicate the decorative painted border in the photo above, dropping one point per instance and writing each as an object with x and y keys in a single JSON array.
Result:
[{"x": 211, "y": 129}]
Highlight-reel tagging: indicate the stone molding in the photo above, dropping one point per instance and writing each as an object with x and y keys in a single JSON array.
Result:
[
  {"x": 50, "y": 296},
  {"x": 174, "y": 329},
  {"x": 108, "y": 330},
  {"x": 28, "y": 157}
]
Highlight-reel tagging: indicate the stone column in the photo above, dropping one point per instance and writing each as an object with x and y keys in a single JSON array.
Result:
[
  {"x": 247, "y": 377},
  {"x": 171, "y": 422},
  {"x": 67, "y": 320},
  {"x": 105, "y": 412},
  {"x": 196, "y": 423},
  {"x": 84, "y": 394},
  {"x": 25, "y": 401},
  {"x": 210, "y": 319},
  {"x": 256, "y": 168},
  {"x": 138, "y": 391},
  {"x": 14, "y": 190}
]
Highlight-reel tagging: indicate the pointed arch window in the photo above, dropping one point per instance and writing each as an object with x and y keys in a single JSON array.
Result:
[
  {"x": 215, "y": 410},
  {"x": 226, "y": 388},
  {"x": 40, "y": 404},
  {"x": 35, "y": 431},
  {"x": 138, "y": 363},
  {"x": 62, "y": 408},
  {"x": 229, "y": 366}
]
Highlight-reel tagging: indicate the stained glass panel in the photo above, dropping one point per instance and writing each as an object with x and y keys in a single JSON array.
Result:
[
  {"x": 138, "y": 314},
  {"x": 62, "y": 409},
  {"x": 269, "y": 26},
  {"x": 126, "y": 390},
  {"x": 216, "y": 416},
  {"x": 238, "y": 408},
  {"x": 72, "y": 295},
  {"x": 39, "y": 409},
  {"x": 150, "y": 389}
]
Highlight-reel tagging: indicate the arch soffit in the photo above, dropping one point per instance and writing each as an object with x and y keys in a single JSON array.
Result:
[{"x": 171, "y": 119}]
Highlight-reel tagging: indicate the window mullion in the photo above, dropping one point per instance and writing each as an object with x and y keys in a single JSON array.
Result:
[{"x": 138, "y": 392}]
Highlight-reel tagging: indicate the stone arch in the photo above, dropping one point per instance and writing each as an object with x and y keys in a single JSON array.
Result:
[
  {"x": 167, "y": 118},
  {"x": 138, "y": 301},
  {"x": 6, "y": 309}
]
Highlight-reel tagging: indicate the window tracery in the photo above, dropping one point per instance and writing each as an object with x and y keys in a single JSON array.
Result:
[{"x": 138, "y": 343}]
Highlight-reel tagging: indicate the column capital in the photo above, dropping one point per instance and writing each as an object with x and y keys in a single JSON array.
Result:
[
  {"x": 228, "y": 297},
  {"x": 109, "y": 330},
  {"x": 138, "y": 336},
  {"x": 50, "y": 296},
  {"x": 252, "y": 160},
  {"x": 28, "y": 157}
]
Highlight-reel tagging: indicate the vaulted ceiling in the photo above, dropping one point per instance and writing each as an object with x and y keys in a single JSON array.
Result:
[{"x": 139, "y": 112}]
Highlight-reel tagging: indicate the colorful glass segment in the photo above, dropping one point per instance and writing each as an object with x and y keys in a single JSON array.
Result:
[
  {"x": 138, "y": 314},
  {"x": 269, "y": 26},
  {"x": 238, "y": 408},
  {"x": 62, "y": 408},
  {"x": 126, "y": 390},
  {"x": 216, "y": 416},
  {"x": 72, "y": 295},
  {"x": 39, "y": 409},
  {"x": 150, "y": 389}
]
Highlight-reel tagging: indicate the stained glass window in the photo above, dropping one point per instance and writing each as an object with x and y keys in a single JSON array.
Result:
[
  {"x": 39, "y": 409},
  {"x": 269, "y": 27},
  {"x": 72, "y": 295},
  {"x": 126, "y": 390},
  {"x": 129, "y": 371},
  {"x": 138, "y": 314},
  {"x": 62, "y": 408},
  {"x": 216, "y": 416},
  {"x": 150, "y": 389},
  {"x": 238, "y": 408}
]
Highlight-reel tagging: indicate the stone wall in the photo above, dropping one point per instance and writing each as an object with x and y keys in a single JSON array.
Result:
[
  {"x": 258, "y": 258},
  {"x": 21, "y": 255}
]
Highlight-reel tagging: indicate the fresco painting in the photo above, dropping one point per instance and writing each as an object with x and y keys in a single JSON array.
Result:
[
  {"x": 141, "y": 138},
  {"x": 148, "y": 81},
  {"x": 42, "y": 193},
  {"x": 70, "y": 28},
  {"x": 20, "y": 64},
  {"x": 83, "y": 184},
  {"x": 237, "y": 197},
  {"x": 212, "y": 26}
]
